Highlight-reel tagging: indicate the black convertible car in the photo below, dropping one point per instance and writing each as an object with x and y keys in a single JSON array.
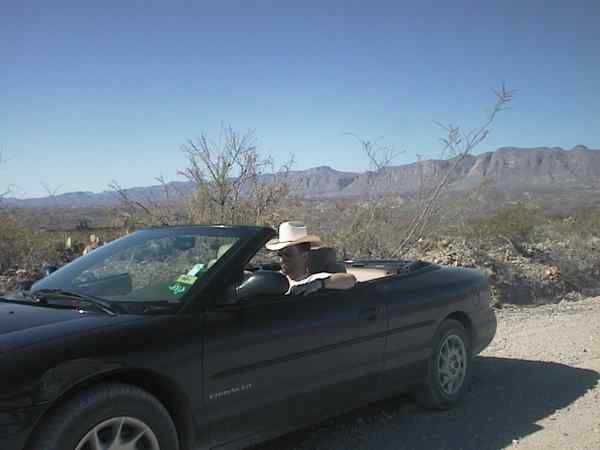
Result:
[{"x": 182, "y": 338}]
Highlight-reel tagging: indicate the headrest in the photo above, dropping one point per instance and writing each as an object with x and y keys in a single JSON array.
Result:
[
  {"x": 323, "y": 260},
  {"x": 220, "y": 252}
]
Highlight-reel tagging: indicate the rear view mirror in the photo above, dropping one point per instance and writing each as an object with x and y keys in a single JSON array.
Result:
[
  {"x": 183, "y": 243},
  {"x": 117, "y": 284}
]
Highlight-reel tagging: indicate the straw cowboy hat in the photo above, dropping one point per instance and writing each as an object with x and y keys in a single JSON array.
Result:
[{"x": 292, "y": 233}]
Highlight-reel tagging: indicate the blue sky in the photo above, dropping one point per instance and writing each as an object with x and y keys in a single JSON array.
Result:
[{"x": 92, "y": 92}]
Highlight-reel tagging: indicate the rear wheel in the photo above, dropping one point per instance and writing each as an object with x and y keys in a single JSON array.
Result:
[
  {"x": 110, "y": 416},
  {"x": 449, "y": 367}
]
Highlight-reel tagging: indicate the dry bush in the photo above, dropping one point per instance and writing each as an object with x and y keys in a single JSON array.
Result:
[
  {"x": 573, "y": 242},
  {"x": 457, "y": 145},
  {"x": 365, "y": 227},
  {"x": 20, "y": 248},
  {"x": 569, "y": 242},
  {"x": 585, "y": 222},
  {"x": 27, "y": 238},
  {"x": 220, "y": 172},
  {"x": 388, "y": 228},
  {"x": 23, "y": 248},
  {"x": 132, "y": 213},
  {"x": 516, "y": 224},
  {"x": 233, "y": 183},
  {"x": 362, "y": 229}
]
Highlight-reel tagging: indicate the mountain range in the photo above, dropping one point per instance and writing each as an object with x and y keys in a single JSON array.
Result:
[{"x": 507, "y": 169}]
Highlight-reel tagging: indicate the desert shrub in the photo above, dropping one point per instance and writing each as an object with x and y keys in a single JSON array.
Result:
[
  {"x": 233, "y": 183},
  {"x": 365, "y": 235},
  {"x": 355, "y": 227},
  {"x": 578, "y": 259},
  {"x": 22, "y": 247},
  {"x": 585, "y": 222},
  {"x": 379, "y": 229},
  {"x": 516, "y": 224},
  {"x": 572, "y": 242},
  {"x": 569, "y": 241}
]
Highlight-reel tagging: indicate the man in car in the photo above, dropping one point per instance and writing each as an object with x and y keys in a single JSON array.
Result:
[{"x": 293, "y": 246}]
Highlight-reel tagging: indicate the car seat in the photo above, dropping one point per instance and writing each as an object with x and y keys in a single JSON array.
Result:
[
  {"x": 220, "y": 252},
  {"x": 323, "y": 260}
]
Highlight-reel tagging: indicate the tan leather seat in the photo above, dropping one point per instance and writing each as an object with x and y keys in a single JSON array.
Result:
[
  {"x": 222, "y": 250},
  {"x": 370, "y": 273},
  {"x": 323, "y": 260}
]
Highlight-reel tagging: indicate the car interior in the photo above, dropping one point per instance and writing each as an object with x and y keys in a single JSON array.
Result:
[{"x": 322, "y": 259}]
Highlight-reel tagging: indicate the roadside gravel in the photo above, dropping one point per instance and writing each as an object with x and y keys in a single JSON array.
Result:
[{"x": 536, "y": 387}]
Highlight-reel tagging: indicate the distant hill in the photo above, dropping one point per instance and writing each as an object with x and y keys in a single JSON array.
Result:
[{"x": 508, "y": 169}]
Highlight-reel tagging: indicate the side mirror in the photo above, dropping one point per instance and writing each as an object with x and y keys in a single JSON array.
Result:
[{"x": 261, "y": 282}]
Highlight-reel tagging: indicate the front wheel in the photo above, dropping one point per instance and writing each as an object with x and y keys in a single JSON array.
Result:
[
  {"x": 111, "y": 416},
  {"x": 449, "y": 367}
]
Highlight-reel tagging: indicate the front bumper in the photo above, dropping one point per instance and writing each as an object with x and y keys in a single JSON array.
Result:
[{"x": 485, "y": 325}]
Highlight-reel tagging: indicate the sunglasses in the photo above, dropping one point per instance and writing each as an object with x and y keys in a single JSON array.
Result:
[{"x": 288, "y": 252}]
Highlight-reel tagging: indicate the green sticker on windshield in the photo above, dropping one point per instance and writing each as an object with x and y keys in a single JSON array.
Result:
[
  {"x": 186, "y": 279},
  {"x": 177, "y": 288}
]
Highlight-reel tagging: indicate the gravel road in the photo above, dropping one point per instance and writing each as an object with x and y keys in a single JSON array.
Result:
[{"x": 536, "y": 387}]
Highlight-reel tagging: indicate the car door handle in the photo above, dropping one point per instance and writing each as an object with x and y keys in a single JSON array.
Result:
[{"x": 369, "y": 313}]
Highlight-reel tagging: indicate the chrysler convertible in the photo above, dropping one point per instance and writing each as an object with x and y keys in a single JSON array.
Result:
[{"x": 182, "y": 338}]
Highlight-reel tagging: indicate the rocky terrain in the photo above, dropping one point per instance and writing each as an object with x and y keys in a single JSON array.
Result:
[
  {"x": 525, "y": 276},
  {"x": 17, "y": 279}
]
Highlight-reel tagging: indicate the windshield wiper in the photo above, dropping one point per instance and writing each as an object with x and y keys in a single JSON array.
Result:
[
  {"x": 149, "y": 307},
  {"x": 42, "y": 296}
]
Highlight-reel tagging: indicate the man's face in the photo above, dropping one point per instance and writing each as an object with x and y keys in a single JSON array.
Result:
[{"x": 293, "y": 259}]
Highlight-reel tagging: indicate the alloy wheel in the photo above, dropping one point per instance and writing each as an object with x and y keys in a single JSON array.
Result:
[
  {"x": 119, "y": 433},
  {"x": 452, "y": 364}
]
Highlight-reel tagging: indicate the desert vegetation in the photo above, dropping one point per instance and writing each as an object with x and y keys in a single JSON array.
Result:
[
  {"x": 532, "y": 253},
  {"x": 233, "y": 183}
]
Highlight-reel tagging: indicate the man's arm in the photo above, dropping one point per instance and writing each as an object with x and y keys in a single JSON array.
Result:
[
  {"x": 326, "y": 281},
  {"x": 339, "y": 281}
]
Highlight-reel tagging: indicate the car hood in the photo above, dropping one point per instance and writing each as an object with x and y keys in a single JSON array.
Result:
[{"x": 23, "y": 325}]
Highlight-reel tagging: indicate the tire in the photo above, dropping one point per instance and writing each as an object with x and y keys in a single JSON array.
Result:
[
  {"x": 448, "y": 377},
  {"x": 108, "y": 411}
]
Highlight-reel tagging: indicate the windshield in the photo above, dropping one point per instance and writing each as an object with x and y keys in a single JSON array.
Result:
[{"x": 158, "y": 265}]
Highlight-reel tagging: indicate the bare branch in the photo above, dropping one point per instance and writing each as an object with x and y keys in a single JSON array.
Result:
[
  {"x": 460, "y": 145},
  {"x": 379, "y": 156},
  {"x": 226, "y": 177},
  {"x": 49, "y": 190},
  {"x": 156, "y": 212}
]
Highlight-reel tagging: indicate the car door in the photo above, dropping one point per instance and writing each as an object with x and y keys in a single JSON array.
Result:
[
  {"x": 412, "y": 305},
  {"x": 272, "y": 363}
]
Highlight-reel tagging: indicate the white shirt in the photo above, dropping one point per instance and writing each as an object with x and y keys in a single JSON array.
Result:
[{"x": 308, "y": 279}]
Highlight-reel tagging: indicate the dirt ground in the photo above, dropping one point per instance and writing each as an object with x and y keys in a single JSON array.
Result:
[{"x": 536, "y": 387}]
